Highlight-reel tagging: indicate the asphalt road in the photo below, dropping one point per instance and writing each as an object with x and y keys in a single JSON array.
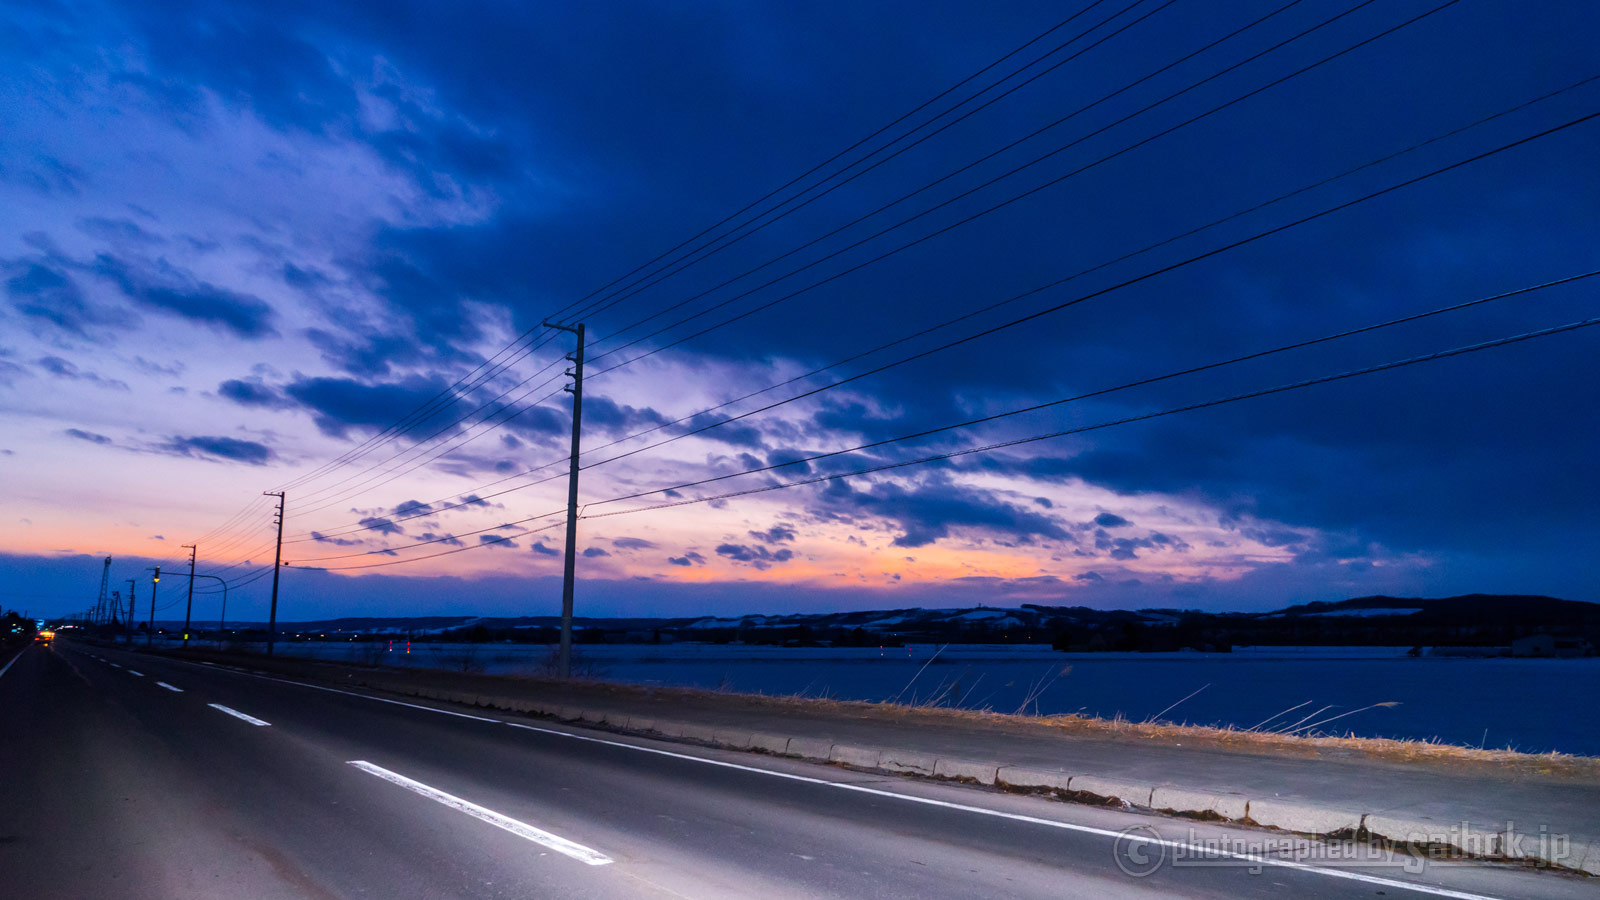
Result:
[{"x": 130, "y": 776}]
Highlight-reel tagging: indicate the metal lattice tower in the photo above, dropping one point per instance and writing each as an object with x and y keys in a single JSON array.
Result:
[{"x": 103, "y": 604}]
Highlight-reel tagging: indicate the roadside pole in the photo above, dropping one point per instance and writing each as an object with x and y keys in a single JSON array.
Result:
[{"x": 569, "y": 570}]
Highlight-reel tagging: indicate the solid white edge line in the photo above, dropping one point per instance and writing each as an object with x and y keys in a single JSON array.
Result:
[
  {"x": 175, "y": 690},
  {"x": 1254, "y": 859},
  {"x": 539, "y": 836},
  {"x": 1086, "y": 829},
  {"x": 9, "y": 663},
  {"x": 238, "y": 715}
]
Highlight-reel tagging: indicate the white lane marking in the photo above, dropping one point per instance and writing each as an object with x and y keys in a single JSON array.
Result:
[
  {"x": 115, "y": 666},
  {"x": 521, "y": 829},
  {"x": 9, "y": 664},
  {"x": 318, "y": 687},
  {"x": 1252, "y": 858},
  {"x": 1087, "y": 829},
  {"x": 132, "y": 672},
  {"x": 238, "y": 715},
  {"x": 175, "y": 690}
]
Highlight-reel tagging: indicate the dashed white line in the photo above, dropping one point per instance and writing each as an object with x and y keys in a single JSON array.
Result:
[
  {"x": 175, "y": 690},
  {"x": 1067, "y": 826},
  {"x": 539, "y": 836},
  {"x": 132, "y": 672},
  {"x": 115, "y": 666},
  {"x": 238, "y": 715}
]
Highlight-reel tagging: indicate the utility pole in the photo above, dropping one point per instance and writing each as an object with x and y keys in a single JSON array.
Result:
[
  {"x": 272, "y": 618},
  {"x": 150, "y": 627},
  {"x": 189, "y": 606},
  {"x": 105, "y": 595},
  {"x": 131, "y": 599},
  {"x": 569, "y": 572}
]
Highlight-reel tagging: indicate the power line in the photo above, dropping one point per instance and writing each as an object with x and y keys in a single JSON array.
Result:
[
  {"x": 979, "y": 161},
  {"x": 358, "y": 451},
  {"x": 970, "y": 218},
  {"x": 689, "y": 260},
  {"x": 858, "y": 144},
  {"x": 1365, "y": 329},
  {"x": 1325, "y": 379},
  {"x": 399, "y": 471},
  {"x": 1102, "y": 291},
  {"x": 438, "y": 540},
  {"x": 1235, "y": 398},
  {"x": 489, "y": 543}
]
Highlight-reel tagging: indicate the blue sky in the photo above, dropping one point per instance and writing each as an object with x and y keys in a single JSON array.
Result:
[{"x": 246, "y": 238}]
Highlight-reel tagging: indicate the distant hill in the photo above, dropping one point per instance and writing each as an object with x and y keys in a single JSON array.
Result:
[{"x": 1468, "y": 620}]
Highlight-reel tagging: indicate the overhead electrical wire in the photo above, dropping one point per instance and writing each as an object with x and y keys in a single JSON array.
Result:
[
  {"x": 1057, "y": 122},
  {"x": 969, "y": 451},
  {"x": 980, "y": 160},
  {"x": 974, "y": 216},
  {"x": 1137, "y": 279},
  {"x": 732, "y": 236},
  {"x": 1414, "y": 317},
  {"x": 427, "y": 409}
]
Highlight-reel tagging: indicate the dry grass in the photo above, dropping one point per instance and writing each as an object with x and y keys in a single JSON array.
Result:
[{"x": 1198, "y": 736}]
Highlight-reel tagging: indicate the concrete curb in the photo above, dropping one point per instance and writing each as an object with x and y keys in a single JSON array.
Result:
[
  {"x": 1285, "y": 814},
  {"x": 1296, "y": 816}
]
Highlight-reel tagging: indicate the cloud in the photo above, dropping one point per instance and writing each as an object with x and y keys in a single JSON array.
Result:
[
  {"x": 176, "y": 292},
  {"x": 381, "y": 524},
  {"x": 689, "y": 558},
  {"x": 789, "y": 457},
  {"x": 412, "y": 508},
  {"x": 1111, "y": 520},
  {"x": 340, "y": 405},
  {"x": 929, "y": 511},
  {"x": 321, "y": 538},
  {"x": 122, "y": 231},
  {"x": 495, "y": 541},
  {"x": 613, "y": 418},
  {"x": 220, "y": 448},
  {"x": 594, "y": 552},
  {"x": 253, "y": 393},
  {"x": 43, "y": 291},
  {"x": 449, "y": 540},
  {"x": 544, "y": 550},
  {"x": 758, "y": 556},
  {"x": 89, "y": 436},
  {"x": 736, "y": 434},
  {"x": 777, "y": 534},
  {"x": 62, "y": 368},
  {"x": 632, "y": 543}
]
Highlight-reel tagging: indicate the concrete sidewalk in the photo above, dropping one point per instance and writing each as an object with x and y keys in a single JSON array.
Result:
[{"x": 1530, "y": 812}]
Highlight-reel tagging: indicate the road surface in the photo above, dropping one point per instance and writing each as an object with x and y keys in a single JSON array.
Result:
[{"x": 130, "y": 776}]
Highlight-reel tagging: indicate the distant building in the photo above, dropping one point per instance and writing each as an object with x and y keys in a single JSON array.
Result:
[{"x": 1544, "y": 645}]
